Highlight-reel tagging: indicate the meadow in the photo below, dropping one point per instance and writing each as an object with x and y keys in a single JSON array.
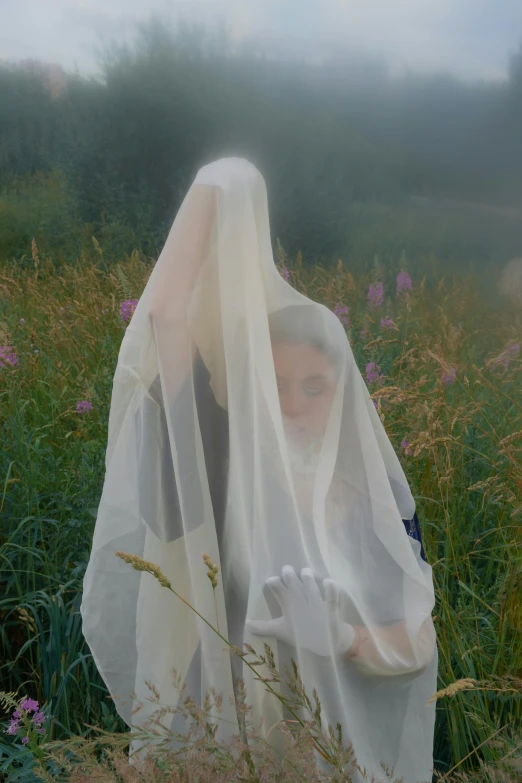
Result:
[{"x": 443, "y": 364}]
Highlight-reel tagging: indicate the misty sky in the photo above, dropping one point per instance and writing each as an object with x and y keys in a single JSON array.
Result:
[{"x": 470, "y": 38}]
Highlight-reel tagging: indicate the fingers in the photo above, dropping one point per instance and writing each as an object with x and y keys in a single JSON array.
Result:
[
  {"x": 290, "y": 578},
  {"x": 331, "y": 592},
  {"x": 311, "y": 589}
]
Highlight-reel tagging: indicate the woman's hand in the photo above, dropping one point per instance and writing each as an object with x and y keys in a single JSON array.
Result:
[{"x": 308, "y": 620}]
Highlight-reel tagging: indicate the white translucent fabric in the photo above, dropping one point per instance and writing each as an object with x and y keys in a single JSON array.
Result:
[{"x": 240, "y": 426}]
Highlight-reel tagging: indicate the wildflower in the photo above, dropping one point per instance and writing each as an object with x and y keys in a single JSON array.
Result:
[
  {"x": 38, "y": 718},
  {"x": 373, "y": 373},
  {"x": 387, "y": 323},
  {"x": 341, "y": 311},
  {"x": 285, "y": 273},
  {"x": 375, "y": 295},
  {"x": 25, "y": 740},
  {"x": 30, "y": 705},
  {"x": 83, "y": 406},
  {"x": 127, "y": 308},
  {"x": 406, "y": 446},
  {"x": 13, "y": 727},
  {"x": 448, "y": 378},
  {"x": 363, "y": 332},
  {"x": 22, "y": 320},
  {"x": 8, "y": 356},
  {"x": 403, "y": 282}
]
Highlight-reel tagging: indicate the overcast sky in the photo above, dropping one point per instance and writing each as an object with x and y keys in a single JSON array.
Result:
[{"x": 470, "y": 38}]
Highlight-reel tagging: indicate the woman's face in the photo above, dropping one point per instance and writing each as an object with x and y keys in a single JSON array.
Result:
[{"x": 306, "y": 383}]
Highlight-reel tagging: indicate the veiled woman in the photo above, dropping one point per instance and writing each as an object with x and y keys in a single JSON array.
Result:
[{"x": 240, "y": 426}]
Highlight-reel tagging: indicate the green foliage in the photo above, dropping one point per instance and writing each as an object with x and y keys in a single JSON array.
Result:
[
  {"x": 463, "y": 463},
  {"x": 341, "y": 154}
]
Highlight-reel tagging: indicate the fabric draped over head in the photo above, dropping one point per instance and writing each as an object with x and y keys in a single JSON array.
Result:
[{"x": 216, "y": 445}]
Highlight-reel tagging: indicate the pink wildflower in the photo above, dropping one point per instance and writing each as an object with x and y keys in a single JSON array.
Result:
[
  {"x": 405, "y": 445},
  {"x": 84, "y": 406},
  {"x": 341, "y": 311},
  {"x": 403, "y": 281},
  {"x": 448, "y": 378},
  {"x": 127, "y": 308},
  {"x": 30, "y": 705},
  {"x": 373, "y": 374},
  {"x": 8, "y": 356},
  {"x": 375, "y": 295},
  {"x": 387, "y": 323}
]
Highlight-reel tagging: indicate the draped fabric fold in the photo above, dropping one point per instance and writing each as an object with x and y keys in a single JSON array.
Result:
[{"x": 240, "y": 426}]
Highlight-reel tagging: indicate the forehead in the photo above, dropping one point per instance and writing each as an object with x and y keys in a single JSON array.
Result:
[{"x": 297, "y": 359}]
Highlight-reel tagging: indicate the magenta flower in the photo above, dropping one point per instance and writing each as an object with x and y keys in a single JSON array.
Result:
[
  {"x": 38, "y": 718},
  {"x": 285, "y": 273},
  {"x": 405, "y": 445},
  {"x": 341, "y": 311},
  {"x": 127, "y": 308},
  {"x": 8, "y": 356},
  {"x": 448, "y": 378},
  {"x": 387, "y": 323},
  {"x": 373, "y": 374},
  {"x": 30, "y": 705},
  {"x": 375, "y": 295},
  {"x": 364, "y": 332},
  {"x": 13, "y": 727},
  {"x": 403, "y": 281},
  {"x": 83, "y": 406}
]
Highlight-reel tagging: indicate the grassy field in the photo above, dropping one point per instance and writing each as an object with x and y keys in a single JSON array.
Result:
[{"x": 446, "y": 365}]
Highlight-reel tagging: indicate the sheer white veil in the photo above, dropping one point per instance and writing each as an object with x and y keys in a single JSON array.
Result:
[{"x": 201, "y": 457}]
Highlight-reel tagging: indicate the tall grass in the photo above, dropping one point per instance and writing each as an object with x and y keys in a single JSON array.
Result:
[{"x": 450, "y": 401}]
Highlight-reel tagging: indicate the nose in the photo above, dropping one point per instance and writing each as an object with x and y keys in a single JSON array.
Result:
[{"x": 291, "y": 403}]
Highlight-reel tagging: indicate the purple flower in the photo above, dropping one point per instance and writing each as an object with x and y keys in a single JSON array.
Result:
[
  {"x": 285, "y": 273},
  {"x": 30, "y": 705},
  {"x": 373, "y": 373},
  {"x": 38, "y": 718},
  {"x": 403, "y": 281},
  {"x": 375, "y": 295},
  {"x": 405, "y": 445},
  {"x": 13, "y": 727},
  {"x": 375, "y": 404},
  {"x": 387, "y": 323},
  {"x": 448, "y": 378},
  {"x": 8, "y": 356},
  {"x": 364, "y": 332},
  {"x": 25, "y": 740},
  {"x": 84, "y": 406},
  {"x": 22, "y": 320},
  {"x": 341, "y": 311},
  {"x": 127, "y": 308}
]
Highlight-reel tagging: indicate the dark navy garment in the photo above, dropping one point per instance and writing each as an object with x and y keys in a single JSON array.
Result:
[{"x": 413, "y": 529}]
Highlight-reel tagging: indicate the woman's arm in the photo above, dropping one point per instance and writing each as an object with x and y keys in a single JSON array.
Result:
[
  {"x": 388, "y": 649},
  {"x": 174, "y": 281}
]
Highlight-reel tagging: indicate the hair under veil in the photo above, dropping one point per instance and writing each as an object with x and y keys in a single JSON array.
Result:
[{"x": 205, "y": 453}]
